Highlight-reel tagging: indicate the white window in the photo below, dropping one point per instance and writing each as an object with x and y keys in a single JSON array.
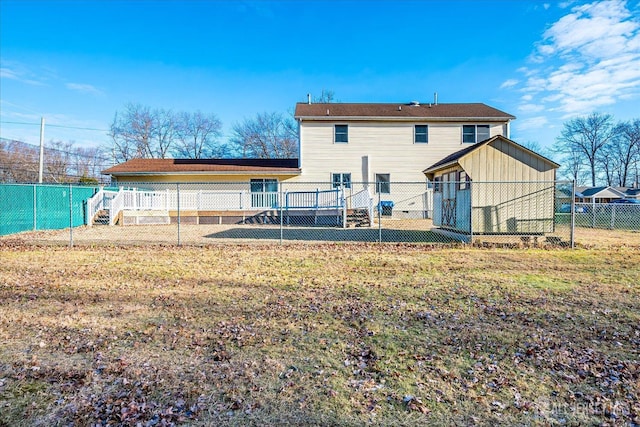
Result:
[
  {"x": 383, "y": 183},
  {"x": 421, "y": 134},
  {"x": 264, "y": 193},
  {"x": 341, "y": 133},
  {"x": 474, "y": 133},
  {"x": 341, "y": 180}
]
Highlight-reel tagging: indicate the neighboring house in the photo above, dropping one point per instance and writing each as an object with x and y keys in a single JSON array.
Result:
[
  {"x": 630, "y": 192},
  {"x": 386, "y": 143},
  {"x": 604, "y": 194},
  {"x": 494, "y": 187}
]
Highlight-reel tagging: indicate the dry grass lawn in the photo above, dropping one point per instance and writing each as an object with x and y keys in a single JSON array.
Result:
[{"x": 323, "y": 334}]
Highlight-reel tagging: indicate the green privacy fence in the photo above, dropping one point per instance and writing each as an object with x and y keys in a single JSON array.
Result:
[{"x": 25, "y": 207}]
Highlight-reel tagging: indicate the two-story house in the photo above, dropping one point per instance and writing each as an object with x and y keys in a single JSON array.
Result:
[
  {"x": 370, "y": 150},
  {"x": 382, "y": 143}
]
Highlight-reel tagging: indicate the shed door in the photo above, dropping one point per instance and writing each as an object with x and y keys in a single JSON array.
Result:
[{"x": 449, "y": 199}]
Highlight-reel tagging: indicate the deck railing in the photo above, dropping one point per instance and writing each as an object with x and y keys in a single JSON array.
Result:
[
  {"x": 361, "y": 200},
  {"x": 131, "y": 199},
  {"x": 325, "y": 199},
  {"x": 116, "y": 206},
  {"x": 94, "y": 205}
]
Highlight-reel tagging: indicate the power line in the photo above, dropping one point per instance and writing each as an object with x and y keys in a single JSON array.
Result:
[
  {"x": 55, "y": 126},
  {"x": 66, "y": 152}
]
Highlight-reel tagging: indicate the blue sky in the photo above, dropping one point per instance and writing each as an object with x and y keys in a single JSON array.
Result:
[{"x": 77, "y": 62}]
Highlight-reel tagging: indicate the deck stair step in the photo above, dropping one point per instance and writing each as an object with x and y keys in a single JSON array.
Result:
[
  {"x": 101, "y": 217},
  {"x": 358, "y": 218}
]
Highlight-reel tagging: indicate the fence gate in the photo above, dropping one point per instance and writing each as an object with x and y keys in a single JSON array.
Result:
[{"x": 449, "y": 199}]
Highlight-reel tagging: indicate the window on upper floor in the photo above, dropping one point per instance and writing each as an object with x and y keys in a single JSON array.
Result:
[
  {"x": 341, "y": 180},
  {"x": 421, "y": 134},
  {"x": 383, "y": 183},
  {"x": 341, "y": 133},
  {"x": 474, "y": 133}
]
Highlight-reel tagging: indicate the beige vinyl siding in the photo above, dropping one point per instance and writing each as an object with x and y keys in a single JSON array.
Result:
[
  {"x": 513, "y": 192},
  {"x": 501, "y": 161},
  {"x": 198, "y": 178},
  {"x": 389, "y": 147}
]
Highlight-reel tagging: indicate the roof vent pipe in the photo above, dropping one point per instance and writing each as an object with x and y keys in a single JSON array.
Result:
[
  {"x": 327, "y": 111},
  {"x": 309, "y": 98},
  {"x": 435, "y": 98}
]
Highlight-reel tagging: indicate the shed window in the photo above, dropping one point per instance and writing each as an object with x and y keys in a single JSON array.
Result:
[
  {"x": 341, "y": 134},
  {"x": 436, "y": 184},
  {"x": 463, "y": 180}
]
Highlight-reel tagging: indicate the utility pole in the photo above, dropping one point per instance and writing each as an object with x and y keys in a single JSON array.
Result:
[{"x": 41, "y": 150}]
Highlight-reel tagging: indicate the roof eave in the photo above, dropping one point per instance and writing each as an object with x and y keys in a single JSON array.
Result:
[
  {"x": 253, "y": 172},
  {"x": 442, "y": 166},
  {"x": 405, "y": 118}
]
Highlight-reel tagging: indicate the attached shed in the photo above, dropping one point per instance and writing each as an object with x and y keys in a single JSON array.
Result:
[{"x": 494, "y": 187}]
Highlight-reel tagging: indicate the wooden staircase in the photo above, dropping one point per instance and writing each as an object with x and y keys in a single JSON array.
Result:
[
  {"x": 358, "y": 218},
  {"x": 101, "y": 217}
]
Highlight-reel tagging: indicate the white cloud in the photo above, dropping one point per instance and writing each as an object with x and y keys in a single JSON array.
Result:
[
  {"x": 18, "y": 75},
  {"x": 531, "y": 108},
  {"x": 533, "y": 123},
  {"x": 588, "y": 59},
  {"x": 509, "y": 83},
  {"x": 84, "y": 88}
]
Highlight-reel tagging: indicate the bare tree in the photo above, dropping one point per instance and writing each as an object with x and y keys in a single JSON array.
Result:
[
  {"x": 139, "y": 132},
  {"x": 198, "y": 136},
  {"x": 18, "y": 162},
  {"x": 572, "y": 166},
  {"x": 326, "y": 97},
  {"x": 88, "y": 161},
  {"x": 163, "y": 130},
  {"x": 624, "y": 150},
  {"x": 587, "y": 137},
  {"x": 56, "y": 168},
  {"x": 267, "y": 135}
]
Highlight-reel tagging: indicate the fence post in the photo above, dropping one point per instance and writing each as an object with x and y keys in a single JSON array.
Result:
[
  {"x": 178, "y": 206},
  {"x": 470, "y": 183},
  {"x": 379, "y": 217},
  {"x": 35, "y": 209},
  {"x": 281, "y": 214},
  {"x": 343, "y": 202},
  {"x": 70, "y": 216},
  {"x": 572, "y": 232}
]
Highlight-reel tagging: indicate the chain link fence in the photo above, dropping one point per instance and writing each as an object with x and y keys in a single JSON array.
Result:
[
  {"x": 527, "y": 214},
  {"x": 31, "y": 207}
]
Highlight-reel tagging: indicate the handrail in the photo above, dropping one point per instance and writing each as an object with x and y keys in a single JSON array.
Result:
[
  {"x": 94, "y": 204},
  {"x": 117, "y": 205},
  {"x": 362, "y": 200}
]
